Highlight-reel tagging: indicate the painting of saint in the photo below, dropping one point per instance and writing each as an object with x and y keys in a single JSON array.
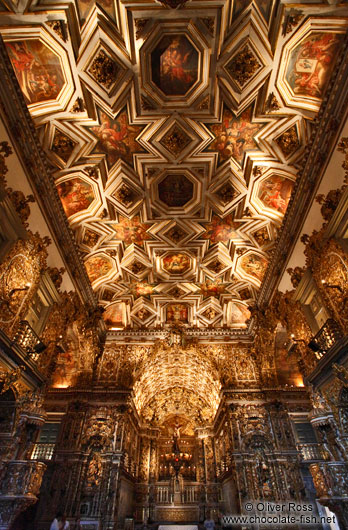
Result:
[
  {"x": 311, "y": 64},
  {"x": 175, "y": 190},
  {"x": 177, "y": 313},
  {"x": 254, "y": 265},
  {"x": 174, "y": 65},
  {"x": 114, "y": 315},
  {"x": 76, "y": 195},
  {"x": 142, "y": 289},
  {"x": 176, "y": 263},
  {"x": 234, "y": 136},
  {"x": 37, "y": 68},
  {"x": 85, "y": 6},
  {"x": 131, "y": 230},
  {"x": 238, "y": 314},
  {"x": 97, "y": 267},
  {"x": 275, "y": 193},
  {"x": 116, "y": 138},
  {"x": 212, "y": 288},
  {"x": 222, "y": 230}
]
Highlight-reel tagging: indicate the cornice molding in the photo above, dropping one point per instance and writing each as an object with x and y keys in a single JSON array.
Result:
[
  {"x": 222, "y": 335},
  {"x": 325, "y": 135},
  {"x": 34, "y": 162}
]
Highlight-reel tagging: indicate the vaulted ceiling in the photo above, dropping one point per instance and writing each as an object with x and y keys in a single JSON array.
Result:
[{"x": 175, "y": 138}]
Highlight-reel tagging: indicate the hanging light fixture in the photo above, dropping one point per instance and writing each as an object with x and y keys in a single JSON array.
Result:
[{"x": 177, "y": 459}]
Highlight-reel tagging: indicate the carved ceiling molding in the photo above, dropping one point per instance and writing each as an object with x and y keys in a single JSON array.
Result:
[
  {"x": 35, "y": 164},
  {"x": 324, "y": 138}
]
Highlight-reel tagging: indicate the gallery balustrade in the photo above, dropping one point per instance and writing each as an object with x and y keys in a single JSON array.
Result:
[
  {"x": 312, "y": 452},
  {"x": 28, "y": 340},
  {"x": 328, "y": 335},
  {"x": 43, "y": 451}
]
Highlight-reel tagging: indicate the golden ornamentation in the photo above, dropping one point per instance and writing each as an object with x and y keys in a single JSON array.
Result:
[
  {"x": 146, "y": 104},
  {"x": 176, "y": 234},
  {"x": 204, "y": 104},
  {"x": 329, "y": 202},
  {"x": 341, "y": 373},
  {"x": 209, "y": 23},
  {"x": 272, "y": 103},
  {"x": 56, "y": 275},
  {"x": 5, "y": 151},
  {"x": 93, "y": 172},
  {"x": 31, "y": 403},
  {"x": 62, "y": 145},
  {"x": 22, "y": 479},
  {"x": 288, "y": 141},
  {"x": 329, "y": 264},
  {"x": 291, "y": 315},
  {"x": 78, "y": 106},
  {"x": 140, "y": 24},
  {"x": 104, "y": 69},
  {"x": 94, "y": 472},
  {"x": 59, "y": 28},
  {"x": 90, "y": 238},
  {"x": 19, "y": 278},
  {"x": 8, "y": 379},
  {"x": 216, "y": 266},
  {"x": 262, "y": 236},
  {"x": 143, "y": 314},
  {"x": 175, "y": 140},
  {"x": 99, "y": 429},
  {"x": 21, "y": 204},
  {"x": 330, "y": 479},
  {"x": 210, "y": 313},
  {"x": 177, "y": 514},
  {"x": 176, "y": 292},
  {"x": 296, "y": 275},
  {"x": 226, "y": 193},
  {"x": 243, "y": 66},
  {"x": 136, "y": 267},
  {"x": 291, "y": 19},
  {"x": 125, "y": 195},
  {"x": 174, "y": 4}
]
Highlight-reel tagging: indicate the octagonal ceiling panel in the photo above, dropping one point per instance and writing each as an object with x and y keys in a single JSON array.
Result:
[
  {"x": 174, "y": 64},
  {"x": 42, "y": 68},
  {"x": 308, "y": 60}
]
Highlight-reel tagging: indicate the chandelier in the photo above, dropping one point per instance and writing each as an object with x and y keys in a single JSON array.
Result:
[{"x": 177, "y": 459}]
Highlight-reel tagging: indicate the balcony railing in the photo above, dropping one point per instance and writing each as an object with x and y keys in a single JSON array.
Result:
[
  {"x": 326, "y": 337},
  {"x": 43, "y": 451},
  {"x": 29, "y": 340},
  {"x": 312, "y": 452}
]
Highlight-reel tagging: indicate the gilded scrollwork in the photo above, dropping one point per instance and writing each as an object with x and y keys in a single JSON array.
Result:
[
  {"x": 19, "y": 278},
  {"x": 330, "y": 270}
]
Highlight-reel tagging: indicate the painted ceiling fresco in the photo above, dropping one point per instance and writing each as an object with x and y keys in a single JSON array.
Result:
[{"x": 176, "y": 138}]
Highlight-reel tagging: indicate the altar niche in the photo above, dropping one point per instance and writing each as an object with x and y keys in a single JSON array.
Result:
[{"x": 181, "y": 464}]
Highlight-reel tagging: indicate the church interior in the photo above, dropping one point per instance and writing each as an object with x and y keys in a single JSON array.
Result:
[{"x": 173, "y": 261}]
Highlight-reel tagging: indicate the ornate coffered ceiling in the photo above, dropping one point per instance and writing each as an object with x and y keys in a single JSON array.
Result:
[{"x": 176, "y": 138}]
